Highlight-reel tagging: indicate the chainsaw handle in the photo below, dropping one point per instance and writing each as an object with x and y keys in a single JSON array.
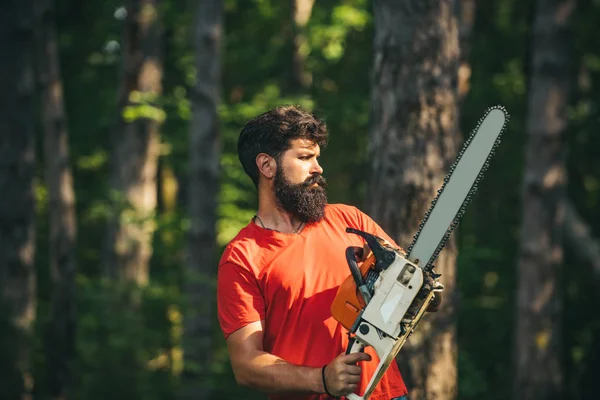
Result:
[
  {"x": 383, "y": 257},
  {"x": 354, "y": 269},
  {"x": 354, "y": 346},
  {"x": 356, "y": 274}
]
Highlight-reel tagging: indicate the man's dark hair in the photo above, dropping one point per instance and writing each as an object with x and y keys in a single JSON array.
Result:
[{"x": 272, "y": 133}]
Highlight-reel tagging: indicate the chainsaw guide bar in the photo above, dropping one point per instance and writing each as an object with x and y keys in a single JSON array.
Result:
[{"x": 473, "y": 159}]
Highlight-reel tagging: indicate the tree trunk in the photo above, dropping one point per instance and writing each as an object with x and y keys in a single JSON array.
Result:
[
  {"x": 466, "y": 20},
  {"x": 60, "y": 336},
  {"x": 414, "y": 140},
  {"x": 17, "y": 202},
  {"x": 301, "y": 10},
  {"x": 136, "y": 145},
  {"x": 538, "y": 353},
  {"x": 201, "y": 262}
]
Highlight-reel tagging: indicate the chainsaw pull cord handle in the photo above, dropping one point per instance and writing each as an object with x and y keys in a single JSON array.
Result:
[
  {"x": 383, "y": 256},
  {"x": 355, "y": 271}
]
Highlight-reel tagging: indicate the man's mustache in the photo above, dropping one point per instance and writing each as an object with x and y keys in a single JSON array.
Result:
[{"x": 318, "y": 179}]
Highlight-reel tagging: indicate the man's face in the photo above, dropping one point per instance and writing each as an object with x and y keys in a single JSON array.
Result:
[{"x": 298, "y": 184}]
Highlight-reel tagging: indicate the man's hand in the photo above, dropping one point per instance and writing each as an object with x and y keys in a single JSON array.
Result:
[{"x": 342, "y": 374}]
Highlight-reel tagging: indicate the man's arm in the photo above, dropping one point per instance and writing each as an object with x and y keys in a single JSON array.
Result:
[{"x": 253, "y": 367}]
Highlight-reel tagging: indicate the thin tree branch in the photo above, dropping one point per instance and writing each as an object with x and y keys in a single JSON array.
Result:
[{"x": 578, "y": 236}]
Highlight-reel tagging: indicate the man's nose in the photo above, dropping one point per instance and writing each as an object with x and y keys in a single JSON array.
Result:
[{"x": 316, "y": 168}]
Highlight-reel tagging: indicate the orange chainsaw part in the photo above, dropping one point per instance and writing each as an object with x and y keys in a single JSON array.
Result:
[{"x": 348, "y": 301}]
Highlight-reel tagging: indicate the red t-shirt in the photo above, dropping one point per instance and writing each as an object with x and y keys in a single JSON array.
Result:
[{"x": 290, "y": 281}]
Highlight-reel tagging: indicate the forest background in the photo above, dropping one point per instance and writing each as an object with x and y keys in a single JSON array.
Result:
[{"x": 120, "y": 184}]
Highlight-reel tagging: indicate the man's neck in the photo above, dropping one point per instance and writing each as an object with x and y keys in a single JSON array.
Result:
[
  {"x": 271, "y": 216},
  {"x": 277, "y": 220}
]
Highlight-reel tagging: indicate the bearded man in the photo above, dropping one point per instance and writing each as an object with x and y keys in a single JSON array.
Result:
[{"x": 278, "y": 277}]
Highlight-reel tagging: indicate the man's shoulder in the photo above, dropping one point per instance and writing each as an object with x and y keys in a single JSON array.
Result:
[
  {"x": 244, "y": 235},
  {"x": 346, "y": 212},
  {"x": 240, "y": 248},
  {"x": 345, "y": 215},
  {"x": 341, "y": 209}
]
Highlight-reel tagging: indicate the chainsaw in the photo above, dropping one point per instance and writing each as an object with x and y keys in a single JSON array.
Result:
[{"x": 385, "y": 297}]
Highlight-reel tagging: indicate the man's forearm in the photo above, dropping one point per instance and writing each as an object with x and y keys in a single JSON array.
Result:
[{"x": 271, "y": 374}]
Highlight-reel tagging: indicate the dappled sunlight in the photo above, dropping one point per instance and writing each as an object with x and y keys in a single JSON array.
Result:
[
  {"x": 555, "y": 176},
  {"x": 543, "y": 297},
  {"x": 542, "y": 339}
]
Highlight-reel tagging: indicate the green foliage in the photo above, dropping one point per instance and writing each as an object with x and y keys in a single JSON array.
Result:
[
  {"x": 126, "y": 352},
  {"x": 142, "y": 106}
]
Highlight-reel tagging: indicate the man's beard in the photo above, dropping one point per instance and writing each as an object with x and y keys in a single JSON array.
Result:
[{"x": 302, "y": 200}]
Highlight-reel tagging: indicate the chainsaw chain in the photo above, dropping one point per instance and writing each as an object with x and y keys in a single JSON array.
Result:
[{"x": 473, "y": 189}]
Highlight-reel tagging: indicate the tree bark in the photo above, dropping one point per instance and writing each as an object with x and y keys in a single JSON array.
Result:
[
  {"x": 466, "y": 20},
  {"x": 301, "y": 11},
  {"x": 414, "y": 140},
  {"x": 60, "y": 336},
  {"x": 136, "y": 145},
  {"x": 17, "y": 202},
  {"x": 538, "y": 373},
  {"x": 201, "y": 260}
]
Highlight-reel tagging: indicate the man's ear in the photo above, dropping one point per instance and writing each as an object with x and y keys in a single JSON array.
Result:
[{"x": 266, "y": 165}]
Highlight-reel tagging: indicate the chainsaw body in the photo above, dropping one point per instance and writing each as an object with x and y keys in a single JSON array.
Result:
[{"x": 382, "y": 301}]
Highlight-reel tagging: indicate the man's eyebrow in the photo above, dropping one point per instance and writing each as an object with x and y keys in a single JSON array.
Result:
[{"x": 309, "y": 152}]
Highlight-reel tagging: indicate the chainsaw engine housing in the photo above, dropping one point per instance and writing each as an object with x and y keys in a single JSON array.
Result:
[{"x": 392, "y": 290}]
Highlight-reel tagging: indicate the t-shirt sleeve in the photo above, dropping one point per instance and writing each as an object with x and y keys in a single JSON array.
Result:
[{"x": 239, "y": 299}]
